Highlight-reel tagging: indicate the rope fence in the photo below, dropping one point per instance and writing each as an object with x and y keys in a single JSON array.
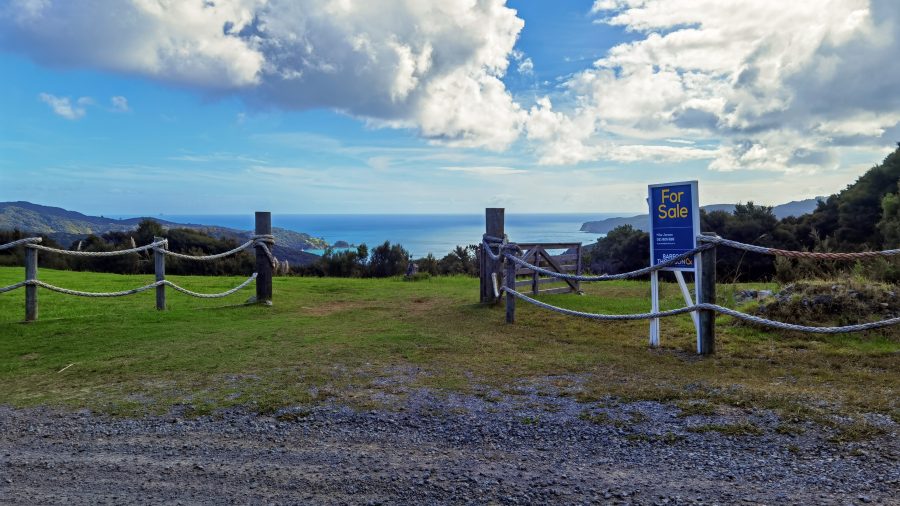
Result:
[
  {"x": 501, "y": 255},
  {"x": 816, "y": 255},
  {"x": 262, "y": 241}
]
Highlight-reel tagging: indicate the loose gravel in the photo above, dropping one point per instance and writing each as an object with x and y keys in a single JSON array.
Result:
[{"x": 430, "y": 448}]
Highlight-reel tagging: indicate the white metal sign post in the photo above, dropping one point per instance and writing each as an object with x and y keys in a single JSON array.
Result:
[{"x": 674, "y": 227}]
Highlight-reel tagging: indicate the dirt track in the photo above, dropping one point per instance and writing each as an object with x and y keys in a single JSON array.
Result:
[{"x": 528, "y": 449}]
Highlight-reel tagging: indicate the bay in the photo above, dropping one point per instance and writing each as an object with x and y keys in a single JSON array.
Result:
[{"x": 420, "y": 234}]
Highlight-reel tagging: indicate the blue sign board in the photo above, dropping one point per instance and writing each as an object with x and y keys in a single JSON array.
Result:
[{"x": 674, "y": 222}]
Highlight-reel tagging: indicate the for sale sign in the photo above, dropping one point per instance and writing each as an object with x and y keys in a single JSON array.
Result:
[{"x": 674, "y": 222}]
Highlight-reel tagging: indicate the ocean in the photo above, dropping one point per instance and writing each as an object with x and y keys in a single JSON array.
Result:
[{"x": 420, "y": 234}]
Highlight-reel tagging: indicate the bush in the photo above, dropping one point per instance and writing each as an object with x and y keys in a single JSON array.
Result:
[
  {"x": 388, "y": 260},
  {"x": 623, "y": 249}
]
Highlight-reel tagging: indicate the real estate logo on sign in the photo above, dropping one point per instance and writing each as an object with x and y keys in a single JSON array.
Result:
[{"x": 674, "y": 222}]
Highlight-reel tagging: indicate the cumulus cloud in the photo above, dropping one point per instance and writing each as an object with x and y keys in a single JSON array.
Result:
[
  {"x": 778, "y": 84},
  {"x": 119, "y": 103},
  {"x": 63, "y": 106},
  {"x": 434, "y": 65},
  {"x": 524, "y": 65},
  {"x": 767, "y": 85}
]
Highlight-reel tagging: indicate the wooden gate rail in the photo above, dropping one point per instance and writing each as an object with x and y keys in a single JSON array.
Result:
[{"x": 537, "y": 254}]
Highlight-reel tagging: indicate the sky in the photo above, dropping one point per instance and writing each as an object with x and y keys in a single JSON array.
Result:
[{"x": 122, "y": 107}]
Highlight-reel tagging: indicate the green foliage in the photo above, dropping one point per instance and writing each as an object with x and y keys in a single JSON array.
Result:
[
  {"x": 428, "y": 264},
  {"x": 750, "y": 224},
  {"x": 889, "y": 225},
  {"x": 182, "y": 240},
  {"x": 623, "y": 249},
  {"x": 15, "y": 257},
  {"x": 461, "y": 260},
  {"x": 343, "y": 264},
  {"x": 388, "y": 260}
]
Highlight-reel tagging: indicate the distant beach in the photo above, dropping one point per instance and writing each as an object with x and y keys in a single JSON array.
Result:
[{"x": 420, "y": 234}]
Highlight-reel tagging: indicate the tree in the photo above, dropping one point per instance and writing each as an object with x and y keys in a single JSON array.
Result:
[
  {"x": 388, "y": 260},
  {"x": 459, "y": 261},
  {"x": 623, "y": 249},
  {"x": 889, "y": 225}
]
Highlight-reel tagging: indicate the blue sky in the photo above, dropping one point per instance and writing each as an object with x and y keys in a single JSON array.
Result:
[{"x": 438, "y": 107}]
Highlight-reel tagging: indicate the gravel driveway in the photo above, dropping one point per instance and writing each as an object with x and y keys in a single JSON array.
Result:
[{"x": 431, "y": 449}]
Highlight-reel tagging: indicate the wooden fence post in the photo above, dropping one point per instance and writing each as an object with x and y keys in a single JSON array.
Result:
[
  {"x": 494, "y": 225},
  {"x": 707, "y": 295},
  {"x": 159, "y": 264},
  {"x": 263, "y": 264},
  {"x": 31, "y": 294},
  {"x": 579, "y": 268},
  {"x": 510, "y": 280}
]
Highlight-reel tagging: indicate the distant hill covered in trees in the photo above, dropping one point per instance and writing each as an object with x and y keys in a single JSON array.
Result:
[
  {"x": 641, "y": 221},
  {"x": 66, "y": 228}
]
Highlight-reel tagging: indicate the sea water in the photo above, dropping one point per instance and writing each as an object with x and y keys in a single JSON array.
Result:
[{"x": 420, "y": 234}]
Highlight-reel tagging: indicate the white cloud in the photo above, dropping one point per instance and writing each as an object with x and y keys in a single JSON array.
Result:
[
  {"x": 63, "y": 106},
  {"x": 434, "y": 65},
  {"x": 485, "y": 170},
  {"x": 779, "y": 85},
  {"x": 768, "y": 84},
  {"x": 119, "y": 103}
]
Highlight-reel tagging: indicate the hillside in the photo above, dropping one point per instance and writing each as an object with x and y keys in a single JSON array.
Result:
[
  {"x": 66, "y": 227},
  {"x": 639, "y": 222}
]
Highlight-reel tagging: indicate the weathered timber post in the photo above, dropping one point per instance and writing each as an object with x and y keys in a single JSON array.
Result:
[
  {"x": 263, "y": 264},
  {"x": 159, "y": 265},
  {"x": 535, "y": 277},
  {"x": 494, "y": 225},
  {"x": 707, "y": 344},
  {"x": 510, "y": 280},
  {"x": 31, "y": 294},
  {"x": 579, "y": 268}
]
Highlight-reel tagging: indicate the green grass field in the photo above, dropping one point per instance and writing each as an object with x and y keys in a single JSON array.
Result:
[{"x": 365, "y": 341}]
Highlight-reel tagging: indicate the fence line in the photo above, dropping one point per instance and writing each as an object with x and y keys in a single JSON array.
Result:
[
  {"x": 20, "y": 242},
  {"x": 708, "y": 307},
  {"x": 611, "y": 277},
  {"x": 262, "y": 241},
  {"x": 153, "y": 245},
  {"x": 509, "y": 254}
]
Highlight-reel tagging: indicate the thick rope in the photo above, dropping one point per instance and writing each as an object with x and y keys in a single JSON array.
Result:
[
  {"x": 710, "y": 307},
  {"x": 799, "y": 328},
  {"x": 138, "y": 249},
  {"x": 10, "y": 288},
  {"x": 27, "y": 240},
  {"x": 797, "y": 254},
  {"x": 205, "y": 258},
  {"x": 211, "y": 295},
  {"x": 610, "y": 277},
  {"x": 265, "y": 241},
  {"x": 66, "y": 291},
  {"x": 487, "y": 249},
  {"x": 597, "y": 316},
  {"x": 262, "y": 240}
]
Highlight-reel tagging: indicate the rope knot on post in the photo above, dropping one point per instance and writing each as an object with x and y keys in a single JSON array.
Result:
[{"x": 266, "y": 242}]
